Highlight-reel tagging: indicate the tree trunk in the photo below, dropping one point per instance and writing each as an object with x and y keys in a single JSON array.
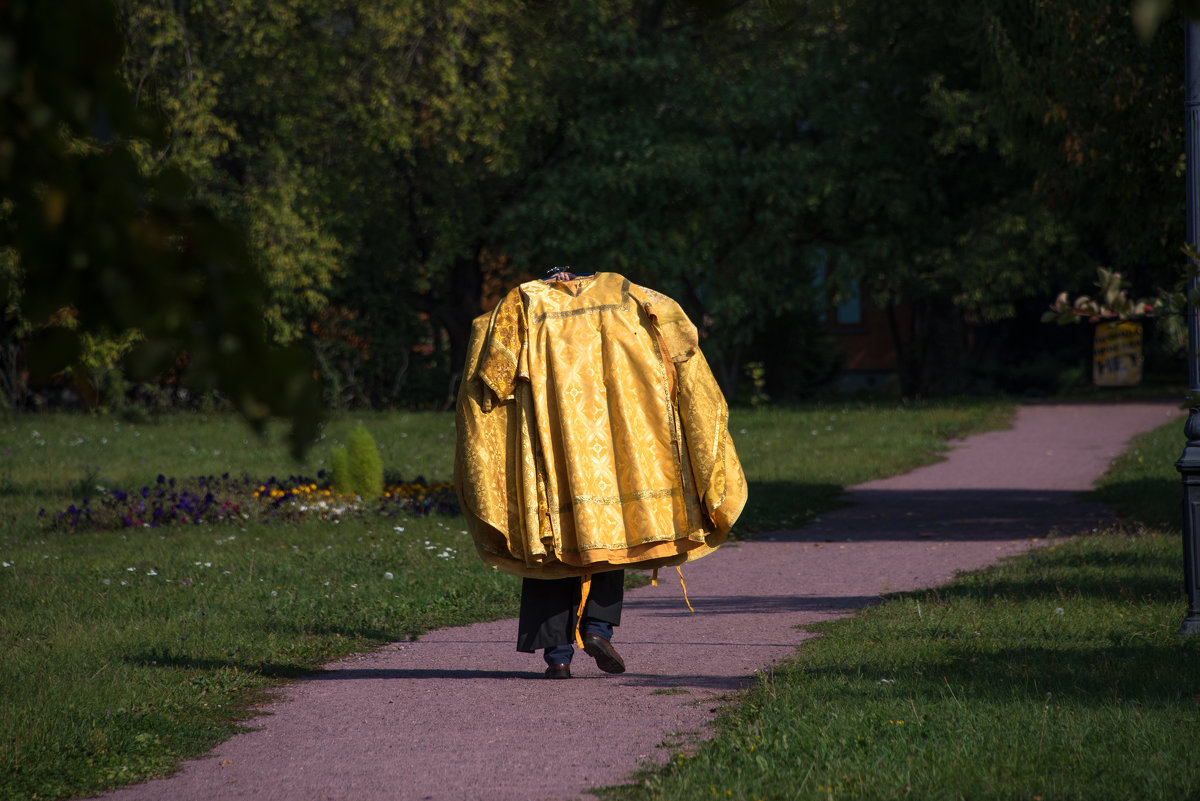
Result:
[{"x": 460, "y": 307}]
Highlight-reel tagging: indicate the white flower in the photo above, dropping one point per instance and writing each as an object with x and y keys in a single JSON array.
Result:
[
  {"x": 108, "y": 581},
  {"x": 388, "y": 576},
  {"x": 151, "y": 572},
  {"x": 131, "y": 569},
  {"x": 398, "y": 528},
  {"x": 1058, "y": 611},
  {"x": 8, "y": 564},
  {"x": 274, "y": 593}
]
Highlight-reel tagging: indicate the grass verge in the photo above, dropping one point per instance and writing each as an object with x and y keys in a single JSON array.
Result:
[
  {"x": 126, "y": 651},
  {"x": 1057, "y": 675}
]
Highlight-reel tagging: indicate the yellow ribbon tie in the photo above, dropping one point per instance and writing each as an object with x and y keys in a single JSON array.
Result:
[
  {"x": 585, "y": 582},
  {"x": 681, "y": 584}
]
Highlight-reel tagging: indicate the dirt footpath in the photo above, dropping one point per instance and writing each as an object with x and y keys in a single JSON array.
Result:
[{"x": 460, "y": 714}]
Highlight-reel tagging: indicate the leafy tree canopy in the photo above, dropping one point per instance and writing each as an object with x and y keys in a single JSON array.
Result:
[{"x": 89, "y": 236}]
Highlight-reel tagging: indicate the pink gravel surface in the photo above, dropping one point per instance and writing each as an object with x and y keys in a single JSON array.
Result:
[{"x": 460, "y": 714}]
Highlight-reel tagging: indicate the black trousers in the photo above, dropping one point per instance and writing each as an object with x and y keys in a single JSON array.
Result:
[{"x": 549, "y": 607}]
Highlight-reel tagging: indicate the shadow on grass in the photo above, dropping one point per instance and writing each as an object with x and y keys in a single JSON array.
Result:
[
  {"x": 1155, "y": 503},
  {"x": 164, "y": 658},
  {"x": 368, "y": 633},
  {"x": 1053, "y": 575}
]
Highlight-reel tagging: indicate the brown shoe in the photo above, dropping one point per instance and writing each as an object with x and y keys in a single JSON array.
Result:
[
  {"x": 562, "y": 671},
  {"x": 600, "y": 649}
]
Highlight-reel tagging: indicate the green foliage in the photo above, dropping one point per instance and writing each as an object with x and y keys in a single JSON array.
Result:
[
  {"x": 357, "y": 467},
  {"x": 982, "y": 152},
  {"x": 364, "y": 146},
  {"x": 339, "y": 466},
  {"x": 757, "y": 373},
  {"x": 365, "y": 465},
  {"x": 352, "y": 178},
  {"x": 681, "y": 158},
  {"x": 88, "y": 234}
]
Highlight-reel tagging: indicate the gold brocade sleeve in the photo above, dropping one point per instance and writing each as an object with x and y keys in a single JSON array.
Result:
[
  {"x": 501, "y": 354},
  {"x": 482, "y": 454},
  {"x": 677, "y": 332},
  {"x": 715, "y": 465}
]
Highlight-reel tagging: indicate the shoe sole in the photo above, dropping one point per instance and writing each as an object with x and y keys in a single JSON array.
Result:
[{"x": 606, "y": 660}]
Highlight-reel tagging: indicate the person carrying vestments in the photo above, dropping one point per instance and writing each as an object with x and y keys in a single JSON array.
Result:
[{"x": 591, "y": 437}]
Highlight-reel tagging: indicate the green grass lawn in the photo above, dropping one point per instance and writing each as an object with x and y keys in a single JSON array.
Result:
[
  {"x": 130, "y": 649},
  {"x": 1056, "y": 675}
]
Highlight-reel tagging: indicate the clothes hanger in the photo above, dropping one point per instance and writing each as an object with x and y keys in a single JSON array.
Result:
[{"x": 564, "y": 274}]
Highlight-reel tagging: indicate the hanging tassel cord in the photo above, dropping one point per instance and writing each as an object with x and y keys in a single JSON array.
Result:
[
  {"x": 682, "y": 584},
  {"x": 585, "y": 589},
  {"x": 678, "y": 569}
]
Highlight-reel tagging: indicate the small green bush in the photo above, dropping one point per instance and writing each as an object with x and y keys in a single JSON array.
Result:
[
  {"x": 366, "y": 465},
  {"x": 339, "y": 465}
]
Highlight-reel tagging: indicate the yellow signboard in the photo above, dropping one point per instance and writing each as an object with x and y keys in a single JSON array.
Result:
[{"x": 1117, "y": 357}]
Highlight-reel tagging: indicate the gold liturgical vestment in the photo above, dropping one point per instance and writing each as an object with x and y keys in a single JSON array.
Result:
[{"x": 592, "y": 435}]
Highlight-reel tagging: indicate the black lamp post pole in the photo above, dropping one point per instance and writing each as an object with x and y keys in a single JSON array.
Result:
[{"x": 1189, "y": 464}]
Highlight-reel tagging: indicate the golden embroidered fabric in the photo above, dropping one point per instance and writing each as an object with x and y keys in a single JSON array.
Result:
[{"x": 591, "y": 433}]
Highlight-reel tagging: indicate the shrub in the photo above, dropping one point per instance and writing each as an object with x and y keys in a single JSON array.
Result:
[
  {"x": 339, "y": 465},
  {"x": 365, "y": 463}
]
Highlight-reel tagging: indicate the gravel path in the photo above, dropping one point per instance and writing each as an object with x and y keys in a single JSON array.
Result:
[{"x": 460, "y": 714}]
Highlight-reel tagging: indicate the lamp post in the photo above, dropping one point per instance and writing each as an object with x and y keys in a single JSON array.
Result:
[{"x": 1189, "y": 464}]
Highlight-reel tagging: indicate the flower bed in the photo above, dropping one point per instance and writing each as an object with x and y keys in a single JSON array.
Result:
[{"x": 220, "y": 499}]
